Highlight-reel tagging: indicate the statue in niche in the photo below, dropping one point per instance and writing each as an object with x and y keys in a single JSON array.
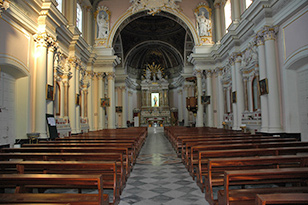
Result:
[
  {"x": 203, "y": 24},
  {"x": 102, "y": 24}
]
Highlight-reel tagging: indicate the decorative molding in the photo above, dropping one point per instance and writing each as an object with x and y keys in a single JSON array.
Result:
[
  {"x": 4, "y": 5},
  {"x": 153, "y": 6}
]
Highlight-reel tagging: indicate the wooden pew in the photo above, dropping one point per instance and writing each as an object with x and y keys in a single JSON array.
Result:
[
  {"x": 129, "y": 146},
  {"x": 107, "y": 169},
  {"x": 117, "y": 157},
  {"x": 203, "y": 158},
  {"x": 188, "y": 143},
  {"x": 296, "y": 176},
  {"x": 123, "y": 151},
  {"x": 282, "y": 198},
  {"x": 230, "y": 140},
  {"x": 193, "y": 161},
  {"x": 217, "y": 167},
  {"x": 21, "y": 181}
]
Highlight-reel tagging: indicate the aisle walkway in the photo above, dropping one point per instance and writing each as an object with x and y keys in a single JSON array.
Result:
[{"x": 159, "y": 177}]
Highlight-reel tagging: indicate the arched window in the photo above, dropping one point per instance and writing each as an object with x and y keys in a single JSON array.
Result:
[
  {"x": 248, "y": 2},
  {"x": 255, "y": 94},
  {"x": 59, "y": 7},
  {"x": 79, "y": 18},
  {"x": 227, "y": 10}
]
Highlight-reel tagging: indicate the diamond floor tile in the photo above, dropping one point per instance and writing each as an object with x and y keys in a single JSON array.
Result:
[{"x": 159, "y": 177}]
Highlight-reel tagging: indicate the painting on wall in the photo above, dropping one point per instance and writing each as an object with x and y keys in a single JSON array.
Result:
[
  {"x": 155, "y": 99},
  {"x": 205, "y": 99},
  {"x": 49, "y": 92},
  {"x": 77, "y": 99},
  {"x": 118, "y": 109},
  {"x": 263, "y": 86},
  {"x": 233, "y": 97},
  {"x": 105, "y": 102}
]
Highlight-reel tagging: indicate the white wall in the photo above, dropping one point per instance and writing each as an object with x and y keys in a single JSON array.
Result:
[{"x": 7, "y": 105}]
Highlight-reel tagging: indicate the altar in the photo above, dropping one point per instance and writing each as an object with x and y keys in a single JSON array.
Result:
[{"x": 155, "y": 110}]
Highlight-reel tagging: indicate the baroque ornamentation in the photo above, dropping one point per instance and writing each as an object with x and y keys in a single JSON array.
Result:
[
  {"x": 4, "y": 5},
  {"x": 153, "y": 6},
  {"x": 44, "y": 40}
]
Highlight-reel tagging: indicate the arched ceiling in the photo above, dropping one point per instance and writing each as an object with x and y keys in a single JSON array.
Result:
[{"x": 144, "y": 39}]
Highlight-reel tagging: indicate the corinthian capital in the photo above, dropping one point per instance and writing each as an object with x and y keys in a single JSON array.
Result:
[
  {"x": 110, "y": 76},
  {"x": 198, "y": 73},
  {"x": 270, "y": 33}
]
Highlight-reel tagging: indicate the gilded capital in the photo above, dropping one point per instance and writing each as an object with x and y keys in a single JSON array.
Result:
[
  {"x": 270, "y": 33},
  {"x": 198, "y": 73},
  {"x": 110, "y": 75}
]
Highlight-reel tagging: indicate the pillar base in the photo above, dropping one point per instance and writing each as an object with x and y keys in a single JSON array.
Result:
[{"x": 275, "y": 130}]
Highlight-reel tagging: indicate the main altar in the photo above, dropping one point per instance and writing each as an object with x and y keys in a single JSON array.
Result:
[{"x": 155, "y": 110}]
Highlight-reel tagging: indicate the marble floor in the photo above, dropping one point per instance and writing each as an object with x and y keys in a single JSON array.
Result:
[{"x": 159, "y": 177}]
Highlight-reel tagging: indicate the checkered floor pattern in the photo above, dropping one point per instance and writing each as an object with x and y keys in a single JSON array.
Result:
[{"x": 159, "y": 177}]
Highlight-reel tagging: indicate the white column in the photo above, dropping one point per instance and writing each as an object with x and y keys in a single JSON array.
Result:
[
  {"x": 218, "y": 21},
  {"x": 90, "y": 102},
  {"x": 229, "y": 103},
  {"x": 220, "y": 109},
  {"x": 239, "y": 91},
  {"x": 101, "y": 112},
  {"x": 40, "y": 88},
  {"x": 186, "y": 94},
  {"x": 50, "y": 77},
  {"x": 72, "y": 100},
  {"x": 66, "y": 96},
  {"x": 62, "y": 93},
  {"x": 272, "y": 75},
  {"x": 111, "y": 95},
  {"x": 209, "y": 113},
  {"x": 180, "y": 100},
  {"x": 236, "y": 11},
  {"x": 263, "y": 75},
  {"x": 78, "y": 128},
  {"x": 83, "y": 98},
  {"x": 130, "y": 106},
  {"x": 124, "y": 108},
  {"x": 234, "y": 106},
  {"x": 199, "y": 120}
]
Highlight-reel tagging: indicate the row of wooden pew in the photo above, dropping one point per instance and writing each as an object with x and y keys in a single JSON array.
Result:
[
  {"x": 232, "y": 167},
  {"x": 96, "y": 161}
]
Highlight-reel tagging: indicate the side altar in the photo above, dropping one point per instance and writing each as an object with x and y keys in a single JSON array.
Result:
[{"x": 155, "y": 110}]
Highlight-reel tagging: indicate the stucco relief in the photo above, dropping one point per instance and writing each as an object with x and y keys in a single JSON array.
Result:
[{"x": 153, "y": 6}]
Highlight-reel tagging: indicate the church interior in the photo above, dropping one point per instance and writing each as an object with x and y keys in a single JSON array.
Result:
[{"x": 157, "y": 71}]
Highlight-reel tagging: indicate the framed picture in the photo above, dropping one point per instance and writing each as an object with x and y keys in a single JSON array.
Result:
[
  {"x": 77, "y": 99},
  {"x": 205, "y": 99},
  {"x": 118, "y": 109},
  {"x": 263, "y": 86},
  {"x": 155, "y": 99},
  {"x": 49, "y": 92},
  {"x": 105, "y": 102},
  {"x": 233, "y": 97}
]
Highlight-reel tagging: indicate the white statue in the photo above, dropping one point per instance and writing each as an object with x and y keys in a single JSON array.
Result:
[
  {"x": 160, "y": 77},
  {"x": 204, "y": 24},
  {"x": 102, "y": 25},
  {"x": 148, "y": 74}
]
